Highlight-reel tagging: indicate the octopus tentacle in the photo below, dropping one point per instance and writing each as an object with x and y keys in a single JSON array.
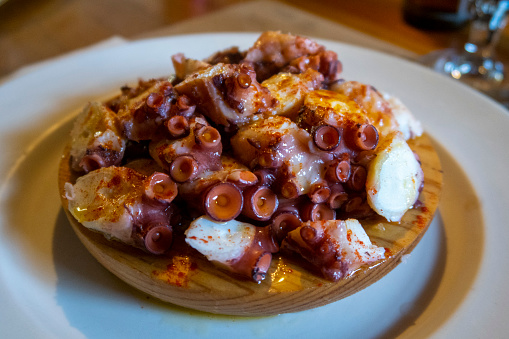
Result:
[
  {"x": 310, "y": 235},
  {"x": 256, "y": 260},
  {"x": 201, "y": 148},
  {"x": 244, "y": 80},
  {"x": 273, "y": 50},
  {"x": 152, "y": 230},
  {"x": 269, "y": 159},
  {"x": 225, "y": 95},
  {"x": 336, "y": 248},
  {"x": 184, "y": 107},
  {"x": 92, "y": 161},
  {"x": 290, "y": 189},
  {"x": 357, "y": 207},
  {"x": 325, "y": 62},
  {"x": 240, "y": 247},
  {"x": 143, "y": 115},
  {"x": 97, "y": 140}
]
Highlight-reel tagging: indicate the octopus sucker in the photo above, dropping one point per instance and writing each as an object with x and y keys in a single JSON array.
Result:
[
  {"x": 177, "y": 126},
  {"x": 223, "y": 201},
  {"x": 260, "y": 203}
]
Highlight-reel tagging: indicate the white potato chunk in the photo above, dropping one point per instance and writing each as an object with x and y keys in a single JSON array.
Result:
[
  {"x": 407, "y": 123},
  {"x": 394, "y": 178},
  {"x": 100, "y": 200},
  {"x": 222, "y": 242}
]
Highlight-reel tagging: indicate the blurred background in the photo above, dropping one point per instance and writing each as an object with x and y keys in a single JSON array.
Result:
[{"x": 35, "y": 30}]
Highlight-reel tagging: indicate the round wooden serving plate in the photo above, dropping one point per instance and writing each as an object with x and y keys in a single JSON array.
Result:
[{"x": 184, "y": 278}]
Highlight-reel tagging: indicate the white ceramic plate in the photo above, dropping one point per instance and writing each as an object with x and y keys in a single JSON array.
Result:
[{"x": 452, "y": 285}]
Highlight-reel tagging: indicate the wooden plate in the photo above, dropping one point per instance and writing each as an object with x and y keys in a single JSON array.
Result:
[{"x": 183, "y": 278}]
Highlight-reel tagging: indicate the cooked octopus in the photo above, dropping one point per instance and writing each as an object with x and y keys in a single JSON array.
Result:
[{"x": 261, "y": 151}]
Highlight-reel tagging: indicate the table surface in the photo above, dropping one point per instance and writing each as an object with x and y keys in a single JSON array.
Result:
[{"x": 31, "y": 30}]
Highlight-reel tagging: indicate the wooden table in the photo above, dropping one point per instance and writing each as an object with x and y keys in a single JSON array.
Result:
[{"x": 32, "y": 31}]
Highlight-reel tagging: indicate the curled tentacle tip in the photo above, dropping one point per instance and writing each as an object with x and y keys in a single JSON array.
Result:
[
  {"x": 183, "y": 168},
  {"x": 177, "y": 125},
  {"x": 262, "y": 267},
  {"x": 223, "y": 201},
  {"x": 208, "y": 137},
  {"x": 158, "y": 239},
  {"x": 326, "y": 137},
  {"x": 366, "y": 137},
  {"x": 161, "y": 187}
]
